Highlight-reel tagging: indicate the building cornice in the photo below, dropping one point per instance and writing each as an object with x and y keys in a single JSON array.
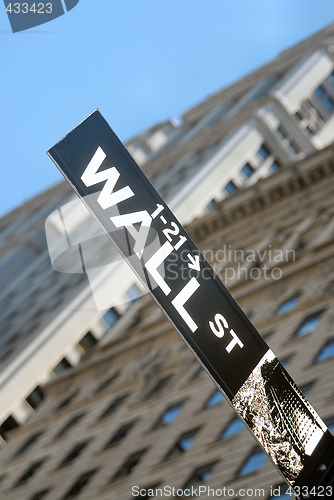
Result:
[{"x": 265, "y": 193}]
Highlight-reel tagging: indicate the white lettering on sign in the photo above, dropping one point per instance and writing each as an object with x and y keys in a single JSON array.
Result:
[
  {"x": 219, "y": 330},
  {"x": 91, "y": 176},
  {"x": 194, "y": 262},
  {"x": 187, "y": 291},
  {"x": 155, "y": 261},
  {"x": 108, "y": 197},
  {"x": 140, "y": 236}
]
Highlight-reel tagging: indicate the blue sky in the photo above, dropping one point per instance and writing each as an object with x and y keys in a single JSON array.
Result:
[{"x": 138, "y": 61}]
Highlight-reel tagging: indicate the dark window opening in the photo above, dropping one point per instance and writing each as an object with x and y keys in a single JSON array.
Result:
[
  {"x": 68, "y": 400},
  {"x": 182, "y": 444},
  {"x": 76, "y": 451},
  {"x": 200, "y": 476},
  {"x": 306, "y": 389},
  {"x": 111, "y": 317},
  {"x": 27, "y": 445},
  {"x": 80, "y": 484},
  {"x": 35, "y": 398},
  {"x": 40, "y": 495},
  {"x": 62, "y": 366},
  {"x": 113, "y": 407},
  {"x": 247, "y": 170},
  {"x": 8, "y": 425},
  {"x": 215, "y": 399},
  {"x": 129, "y": 464},
  {"x": 170, "y": 414},
  {"x": 326, "y": 352},
  {"x": 120, "y": 434},
  {"x": 264, "y": 152},
  {"x": 160, "y": 385},
  {"x": 253, "y": 463},
  {"x": 70, "y": 425},
  {"x": 234, "y": 427},
  {"x": 330, "y": 424},
  {"x": 288, "y": 305},
  {"x": 309, "y": 324},
  {"x": 230, "y": 187},
  {"x": 106, "y": 383},
  {"x": 87, "y": 342},
  {"x": 274, "y": 166},
  {"x": 30, "y": 472}
]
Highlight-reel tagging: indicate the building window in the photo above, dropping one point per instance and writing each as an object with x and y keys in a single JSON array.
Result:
[
  {"x": 234, "y": 427},
  {"x": 210, "y": 206},
  {"x": 40, "y": 495},
  {"x": 215, "y": 399},
  {"x": 120, "y": 434},
  {"x": 80, "y": 484},
  {"x": 274, "y": 166},
  {"x": 170, "y": 414},
  {"x": 199, "y": 476},
  {"x": 182, "y": 444},
  {"x": 160, "y": 385},
  {"x": 8, "y": 425},
  {"x": 199, "y": 373},
  {"x": 309, "y": 324},
  {"x": 129, "y": 464},
  {"x": 293, "y": 148},
  {"x": 113, "y": 407},
  {"x": 35, "y": 398},
  {"x": 230, "y": 187},
  {"x": 308, "y": 118},
  {"x": 87, "y": 342},
  {"x": 76, "y": 451},
  {"x": 326, "y": 352},
  {"x": 253, "y": 463},
  {"x": 288, "y": 305},
  {"x": 62, "y": 366},
  {"x": 263, "y": 152},
  {"x": 68, "y": 428},
  {"x": 68, "y": 400},
  {"x": 30, "y": 472},
  {"x": 281, "y": 132},
  {"x": 330, "y": 79},
  {"x": 306, "y": 389},
  {"x": 27, "y": 445},
  {"x": 111, "y": 317},
  {"x": 284, "y": 136},
  {"x": 106, "y": 383},
  {"x": 330, "y": 424},
  {"x": 247, "y": 170},
  {"x": 324, "y": 99},
  {"x": 133, "y": 293}
]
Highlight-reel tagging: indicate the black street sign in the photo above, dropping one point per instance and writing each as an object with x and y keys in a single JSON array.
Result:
[{"x": 169, "y": 264}]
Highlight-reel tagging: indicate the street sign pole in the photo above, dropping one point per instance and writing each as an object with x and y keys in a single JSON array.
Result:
[{"x": 154, "y": 244}]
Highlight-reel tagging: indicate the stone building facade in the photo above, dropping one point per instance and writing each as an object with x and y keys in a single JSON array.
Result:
[
  {"x": 271, "y": 118},
  {"x": 138, "y": 415}
]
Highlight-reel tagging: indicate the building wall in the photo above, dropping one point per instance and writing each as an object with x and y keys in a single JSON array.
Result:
[{"x": 281, "y": 232}]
